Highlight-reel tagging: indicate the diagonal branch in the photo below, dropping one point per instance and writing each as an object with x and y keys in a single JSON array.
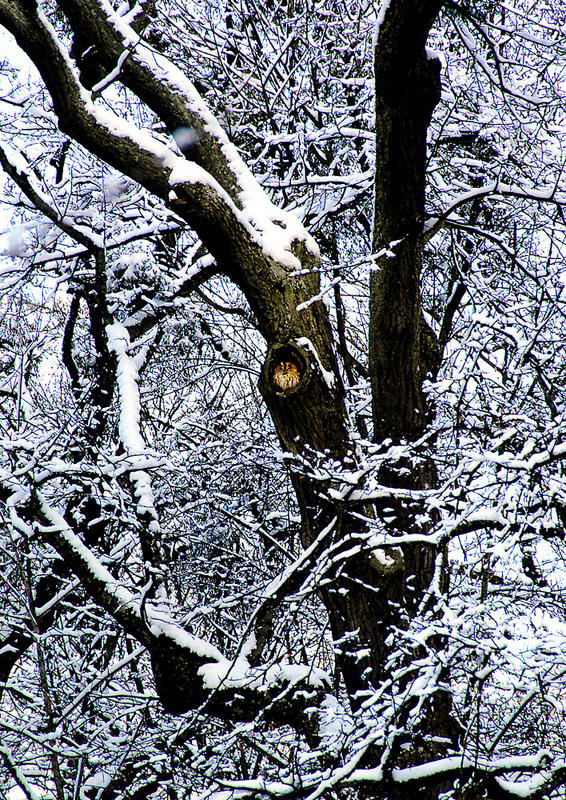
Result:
[
  {"x": 189, "y": 672},
  {"x": 14, "y": 164},
  {"x": 163, "y": 88},
  {"x": 266, "y": 251},
  {"x": 135, "y": 153}
]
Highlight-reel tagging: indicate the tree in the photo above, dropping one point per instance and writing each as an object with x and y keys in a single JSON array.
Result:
[{"x": 150, "y": 531}]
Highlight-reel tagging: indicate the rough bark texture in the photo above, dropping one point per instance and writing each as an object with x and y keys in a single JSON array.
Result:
[
  {"x": 402, "y": 348},
  {"x": 364, "y": 598}
]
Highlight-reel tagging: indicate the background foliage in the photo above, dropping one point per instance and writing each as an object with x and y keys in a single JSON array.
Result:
[{"x": 191, "y": 455}]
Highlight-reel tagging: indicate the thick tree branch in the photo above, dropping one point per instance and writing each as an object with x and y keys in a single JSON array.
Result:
[
  {"x": 163, "y": 88},
  {"x": 180, "y": 661},
  {"x": 273, "y": 258}
]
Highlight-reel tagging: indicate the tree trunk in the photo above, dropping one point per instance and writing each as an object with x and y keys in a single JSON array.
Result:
[
  {"x": 365, "y": 592},
  {"x": 403, "y": 349}
]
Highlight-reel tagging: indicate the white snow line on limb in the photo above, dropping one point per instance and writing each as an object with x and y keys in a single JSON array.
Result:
[
  {"x": 328, "y": 377},
  {"x": 111, "y": 585},
  {"x": 278, "y": 229},
  {"x": 129, "y": 425}
]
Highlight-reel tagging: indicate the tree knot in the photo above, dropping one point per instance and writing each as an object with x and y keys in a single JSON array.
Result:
[{"x": 286, "y": 369}]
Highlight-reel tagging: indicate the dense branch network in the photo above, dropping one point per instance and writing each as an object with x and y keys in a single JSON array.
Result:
[{"x": 375, "y": 519}]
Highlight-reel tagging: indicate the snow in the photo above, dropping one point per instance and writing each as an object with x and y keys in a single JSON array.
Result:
[
  {"x": 224, "y": 672},
  {"x": 114, "y": 186},
  {"x": 98, "y": 780},
  {"x": 58, "y": 524},
  {"x": 382, "y": 558},
  {"x": 320, "y": 296},
  {"x": 526, "y": 788},
  {"x": 25, "y": 790},
  {"x": 112, "y": 76},
  {"x": 327, "y": 376},
  {"x": 460, "y": 762},
  {"x": 334, "y": 723},
  {"x": 238, "y": 673},
  {"x": 129, "y": 425},
  {"x": 382, "y": 11},
  {"x": 162, "y": 625},
  {"x": 183, "y": 171},
  {"x": 274, "y": 230}
]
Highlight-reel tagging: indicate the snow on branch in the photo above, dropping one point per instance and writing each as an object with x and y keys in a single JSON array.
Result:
[
  {"x": 16, "y": 166},
  {"x": 495, "y": 189},
  {"x": 174, "y": 98},
  {"x": 129, "y": 426},
  {"x": 195, "y": 670},
  {"x": 462, "y": 766},
  {"x": 98, "y": 580},
  {"x": 123, "y": 145},
  {"x": 121, "y": 602}
]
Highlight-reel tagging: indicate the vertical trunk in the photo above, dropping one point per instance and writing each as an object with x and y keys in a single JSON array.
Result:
[
  {"x": 301, "y": 388},
  {"x": 365, "y": 597},
  {"x": 402, "y": 347}
]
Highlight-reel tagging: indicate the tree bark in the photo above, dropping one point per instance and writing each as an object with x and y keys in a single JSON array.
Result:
[
  {"x": 366, "y": 597},
  {"x": 403, "y": 350}
]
